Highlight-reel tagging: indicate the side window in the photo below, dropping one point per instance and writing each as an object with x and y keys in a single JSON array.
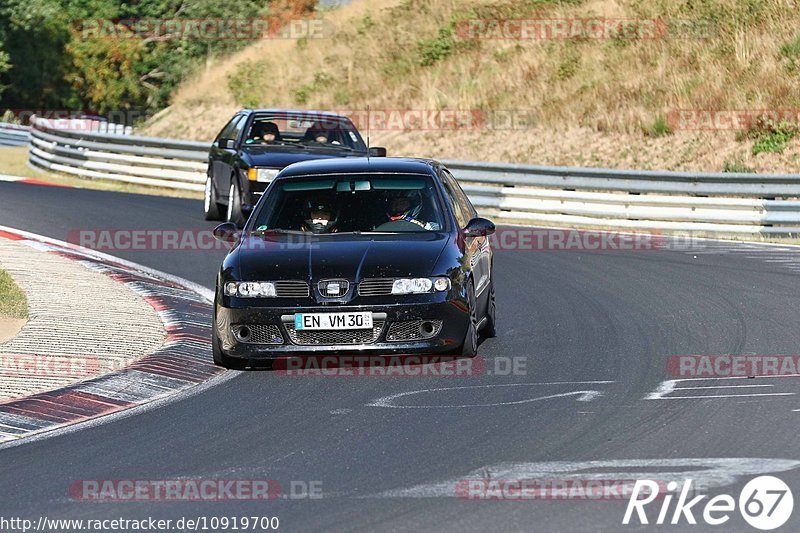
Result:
[
  {"x": 454, "y": 201},
  {"x": 229, "y": 127},
  {"x": 463, "y": 199},
  {"x": 237, "y": 129}
]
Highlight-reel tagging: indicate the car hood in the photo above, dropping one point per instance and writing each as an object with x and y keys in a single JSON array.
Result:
[
  {"x": 352, "y": 257},
  {"x": 279, "y": 157}
]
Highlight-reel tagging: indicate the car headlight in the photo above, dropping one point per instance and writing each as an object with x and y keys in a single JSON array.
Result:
[
  {"x": 250, "y": 289},
  {"x": 262, "y": 175},
  {"x": 420, "y": 285}
]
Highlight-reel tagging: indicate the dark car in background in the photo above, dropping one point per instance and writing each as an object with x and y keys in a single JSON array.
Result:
[
  {"x": 374, "y": 256},
  {"x": 257, "y": 143}
]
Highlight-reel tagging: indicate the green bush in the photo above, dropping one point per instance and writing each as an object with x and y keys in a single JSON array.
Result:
[
  {"x": 659, "y": 128},
  {"x": 246, "y": 83},
  {"x": 436, "y": 49}
]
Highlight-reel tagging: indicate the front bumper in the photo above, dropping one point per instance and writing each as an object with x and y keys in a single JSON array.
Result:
[
  {"x": 253, "y": 190},
  {"x": 450, "y": 319}
]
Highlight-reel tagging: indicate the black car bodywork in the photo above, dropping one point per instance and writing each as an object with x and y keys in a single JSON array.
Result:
[
  {"x": 248, "y": 329},
  {"x": 232, "y": 189}
]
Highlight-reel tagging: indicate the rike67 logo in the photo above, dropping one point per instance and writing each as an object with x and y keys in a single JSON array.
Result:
[{"x": 765, "y": 503}]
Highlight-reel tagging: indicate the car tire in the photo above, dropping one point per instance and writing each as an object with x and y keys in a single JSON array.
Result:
[
  {"x": 235, "y": 213},
  {"x": 213, "y": 211},
  {"x": 470, "y": 346},
  {"x": 489, "y": 329}
]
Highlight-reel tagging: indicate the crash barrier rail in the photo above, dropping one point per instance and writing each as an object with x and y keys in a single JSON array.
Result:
[
  {"x": 150, "y": 161},
  {"x": 13, "y": 134},
  {"x": 716, "y": 203}
]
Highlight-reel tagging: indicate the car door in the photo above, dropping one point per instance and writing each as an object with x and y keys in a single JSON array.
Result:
[
  {"x": 469, "y": 243},
  {"x": 223, "y": 154},
  {"x": 480, "y": 255}
]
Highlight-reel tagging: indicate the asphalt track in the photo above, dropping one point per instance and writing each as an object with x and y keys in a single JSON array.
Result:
[{"x": 576, "y": 318}]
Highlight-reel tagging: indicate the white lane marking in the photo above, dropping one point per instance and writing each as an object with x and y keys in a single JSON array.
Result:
[
  {"x": 583, "y": 395},
  {"x": 722, "y": 387},
  {"x": 704, "y": 472},
  {"x": 669, "y": 386},
  {"x": 727, "y": 396},
  {"x": 6, "y": 177}
]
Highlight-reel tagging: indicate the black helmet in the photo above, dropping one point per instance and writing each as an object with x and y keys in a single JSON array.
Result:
[
  {"x": 414, "y": 204},
  {"x": 320, "y": 215}
]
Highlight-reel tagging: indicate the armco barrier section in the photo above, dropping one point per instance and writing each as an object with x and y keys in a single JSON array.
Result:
[
  {"x": 133, "y": 159},
  {"x": 13, "y": 135},
  {"x": 721, "y": 203}
]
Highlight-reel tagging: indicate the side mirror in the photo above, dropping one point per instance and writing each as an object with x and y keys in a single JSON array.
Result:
[
  {"x": 479, "y": 227},
  {"x": 225, "y": 144},
  {"x": 226, "y": 232},
  {"x": 377, "y": 151}
]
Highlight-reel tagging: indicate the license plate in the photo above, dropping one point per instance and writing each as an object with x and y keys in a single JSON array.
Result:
[{"x": 309, "y": 321}]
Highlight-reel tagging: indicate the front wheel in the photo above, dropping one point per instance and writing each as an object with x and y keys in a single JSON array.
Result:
[
  {"x": 470, "y": 346},
  {"x": 212, "y": 210},
  {"x": 235, "y": 213},
  {"x": 490, "y": 326}
]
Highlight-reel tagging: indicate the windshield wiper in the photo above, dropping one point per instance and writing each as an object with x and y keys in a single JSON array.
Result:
[
  {"x": 329, "y": 146},
  {"x": 275, "y": 231}
]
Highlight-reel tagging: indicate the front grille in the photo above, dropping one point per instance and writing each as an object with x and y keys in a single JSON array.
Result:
[
  {"x": 330, "y": 337},
  {"x": 291, "y": 289},
  {"x": 260, "y": 333},
  {"x": 409, "y": 330},
  {"x": 338, "y": 287},
  {"x": 375, "y": 287}
]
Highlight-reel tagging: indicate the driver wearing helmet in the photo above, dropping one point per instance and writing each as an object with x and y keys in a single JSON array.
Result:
[
  {"x": 406, "y": 205},
  {"x": 320, "y": 217}
]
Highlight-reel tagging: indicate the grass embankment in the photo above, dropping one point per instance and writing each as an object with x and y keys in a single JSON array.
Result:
[
  {"x": 13, "y": 307},
  {"x": 596, "y": 102},
  {"x": 13, "y": 303}
]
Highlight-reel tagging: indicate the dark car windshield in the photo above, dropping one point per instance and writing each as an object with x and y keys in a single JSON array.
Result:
[
  {"x": 313, "y": 130},
  {"x": 391, "y": 203}
]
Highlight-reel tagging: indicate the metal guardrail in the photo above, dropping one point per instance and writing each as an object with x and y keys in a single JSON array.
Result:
[
  {"x": 13, "y": 135},
  {"x": 150, "y": 161},
  {"x": 719, "y": 203}
]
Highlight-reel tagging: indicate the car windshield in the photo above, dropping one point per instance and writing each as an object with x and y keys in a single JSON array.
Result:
[
  {"x": 308, "y": 131},
  {"x": 352, "y": 203}
]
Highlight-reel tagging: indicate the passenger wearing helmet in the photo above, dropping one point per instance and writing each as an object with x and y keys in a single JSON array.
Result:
[
  {"x": 320, "y": 217},
  {"x": 406, "y": 205}
]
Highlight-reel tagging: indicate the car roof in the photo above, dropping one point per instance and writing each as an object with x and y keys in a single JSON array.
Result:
[
  {"x": 313, "y": 112},
  {"x": 409, "y": 165}
]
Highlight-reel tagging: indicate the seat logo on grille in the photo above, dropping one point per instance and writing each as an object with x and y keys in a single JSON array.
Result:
[{"x": 333, "y": 287}]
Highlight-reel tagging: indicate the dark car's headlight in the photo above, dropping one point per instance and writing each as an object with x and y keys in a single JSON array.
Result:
[
  {"x": 420, "y": 285},
  {"x": 250, "y": 289},
  {"x": 262, "y": 175}
]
